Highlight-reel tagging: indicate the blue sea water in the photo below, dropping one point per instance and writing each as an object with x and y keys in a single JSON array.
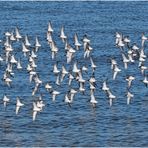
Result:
[{"x": 80, "y": 125}]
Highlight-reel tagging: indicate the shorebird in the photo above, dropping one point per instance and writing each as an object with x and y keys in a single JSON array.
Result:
[
  {"x": 70, "y": 54},
  {"x": 88, "y": 50},
  {"x": 142, "y": 54},
  {"x": 75, "y": 68},
  {"x": 119, "y": 41},
  {"x": 121, "y": 44},
  {"x": 84, "y": 68},
  {"x": 127, "y": 41},
  {"x": 19, "y": 66},
  {"x": 48, "y": 87},
  {"x": 144, "y": 38},
  {"x": 38, "y": 82},
  {"x": 115, "y": 71},
  {"x": 92, "y": 87},
  {"x": 130, "y": 56},
  {"x": 71, "y": 77},
  {"x": 125, "y": 60},
  {"x": 49, "y": 38},
  {"x": 110, "y": 96},
  {"x": 113, "y": 63},
  {"x": 105, "y": 87},
  {"x": 55, "y": 69},
  {"x": 35, "y": 111},
  {"x": 143, "y": 69},
  {"x": 29, "y": 68},
  {"x": 85, "y": 41},
  {"x": 8, "y": 81},
  {"x": 58, "y": 80},
  {"x": 50, "y": 29},
  {"x": 118, "y": 37},
  {"x": 76, "y": 42},
  {"x": 68, "y": 100},
  {"x": 13, "y": 60},
  {"x": 145, "y": 81},
  {"x": 33, "y": 55},
  {"x": 86, "y": 46},
  {"x": 7, "y": 34},
  {"x": 31, "y": 75},
  {"x": 27, "y": 43},
  {"x": 5, "y": 100},
  {"x": 32, "y": 63},
  {"x": 93, "y": 100},
  {"x": 40, "y": 104},
  {"x": 9, "y": 68},
  {"x": 142, "y": 58},
  {"x": 129, "y": 79},
  {"x": 54, "y": 94},
  {"x": 7, "y": 44},
  {"x": 35, "y": 89},
  {"x": 62, "y": 35},
  {"x": 37, "y": 44},
  {"x": 64, "y": 72},
  {"x": 18, "y": 35},
  {"x": 72, "y": 93},
  {"x": 129, "y": 96},
  {"x": 93, "y": 66},
  {"x": 25, "y": 50},
  {"x": 18, "y": 105},
  {"x": 54, "y": 49},
  {"x": 81, "y": 87},
  {"x": 12, "y": 37}
]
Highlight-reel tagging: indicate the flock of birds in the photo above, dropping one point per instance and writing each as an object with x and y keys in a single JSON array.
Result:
[{"x": 75, "y": 74}]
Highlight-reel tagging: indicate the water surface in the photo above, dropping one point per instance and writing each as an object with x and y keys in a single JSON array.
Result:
[{"x": 57, "y": 124}]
